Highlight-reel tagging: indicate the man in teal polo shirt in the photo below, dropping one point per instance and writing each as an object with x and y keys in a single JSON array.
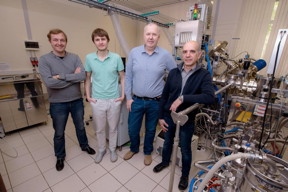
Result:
[{"x": 105, "y": 68}]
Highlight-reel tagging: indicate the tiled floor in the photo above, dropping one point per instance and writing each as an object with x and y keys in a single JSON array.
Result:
[{"x": 27, "y": 164}]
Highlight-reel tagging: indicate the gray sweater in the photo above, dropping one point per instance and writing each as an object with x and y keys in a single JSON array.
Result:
[{"x": 67, "y": 88}]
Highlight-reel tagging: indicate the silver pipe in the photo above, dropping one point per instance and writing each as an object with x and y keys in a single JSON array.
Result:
[
  {"x": 174, "y": 156},
  {"x": 221, "y": 148},
  {"x": 119, "y": 33},
  {"x": 224, "y": 88}
]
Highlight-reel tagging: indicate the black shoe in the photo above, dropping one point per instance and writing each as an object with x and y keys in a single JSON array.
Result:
[
  {"x": 89, "y": 150},
  {"x": 183, "y": 183},
  {"x": 159, "y": 167},
  {"x": 59, "y": 164},
  {"x": 21, "y": 109}
]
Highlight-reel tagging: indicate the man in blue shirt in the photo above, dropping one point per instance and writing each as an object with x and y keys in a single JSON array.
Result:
[
  {"x": 145, "y": 70},
  {"x": 105, "y": 68}
]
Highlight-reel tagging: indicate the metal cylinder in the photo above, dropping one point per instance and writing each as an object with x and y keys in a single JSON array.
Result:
[{"x": 263, "y": 177}]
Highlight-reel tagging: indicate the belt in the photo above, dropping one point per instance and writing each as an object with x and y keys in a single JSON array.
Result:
[{"x": 148, "y": 98}]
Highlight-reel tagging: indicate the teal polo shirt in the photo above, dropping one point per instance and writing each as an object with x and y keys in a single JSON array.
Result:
[{"x": 105, "y": 76}]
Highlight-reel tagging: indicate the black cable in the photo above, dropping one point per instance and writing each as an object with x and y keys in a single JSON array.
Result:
[
  {"x": 270, "y": 131},
  {"x": 270, "y": 88}
]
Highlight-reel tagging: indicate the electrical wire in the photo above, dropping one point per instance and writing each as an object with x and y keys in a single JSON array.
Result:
[
  {"x": 270, "y": 89},
  {"x": 8, "y": 146}
]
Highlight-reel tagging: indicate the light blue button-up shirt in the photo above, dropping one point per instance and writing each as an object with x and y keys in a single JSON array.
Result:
[{"x": 144, "y": 73}]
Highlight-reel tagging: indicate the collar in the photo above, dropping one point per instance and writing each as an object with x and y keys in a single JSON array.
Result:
[
  {"x": 66, "y": 53},
  {"x": 195, "y": 68},
  {"x": 143, "y": 50},
  {"x": 108, "y": 55}
]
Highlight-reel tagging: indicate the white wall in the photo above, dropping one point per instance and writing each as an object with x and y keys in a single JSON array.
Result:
[
  {"x": 227, "y": 22},
  {"x": 77, "y": 21}
]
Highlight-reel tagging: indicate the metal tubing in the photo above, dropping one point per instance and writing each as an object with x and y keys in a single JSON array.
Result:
[
  {"x": 224, "y": 88},
  {"x": 219, "y": 147},
  {"x": 174, "y": 156}
]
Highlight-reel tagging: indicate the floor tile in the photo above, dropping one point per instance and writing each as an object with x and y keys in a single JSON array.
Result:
[
  {"x": 24, "y": 174},
  {"x": 107, "y": 164},
  {"x": 13, "y": 140},
  {"x": 42, "y": 152},
  {"x": 53, "y": 176},
  {"x": 158, "y": 188},
  {"x": 47, "y": 163},
  {"x": 46, "y": 130},
  {"x": 165, "y": 182},
  {"x": 9, "y": 152},
  {"x": 32, "y": 165},
  {"x": 29, "y": 131},
  {"x": 32, "y": 137},
  {"x": 48, "y": 190},
  {"x": 3, "y": 169},
  {"x": 105, "y": 183},
  {"x": 91, "y": 173},
  {"x": 126, "y": 168},
  {"x": 37, "y": 144},
  {"x": 71, "y": 184},
  {"x": 19, "y": 162},
  {"x": 123, "y": 189},
  {"x": 80, "y": 162},
  {"x": 6, "y": 181},
  {"x": 72, "y": 152},
  {"x": 35, "y": 184},
  {"x": 86, "y": 190},
  {"x": 157, "y": 177},
  {"x": 140, "y": 183},
  {"x": 137, "y": 161}
]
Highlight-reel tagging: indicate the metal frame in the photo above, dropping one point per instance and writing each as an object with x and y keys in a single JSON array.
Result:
[{"x": 109, "y": 8}]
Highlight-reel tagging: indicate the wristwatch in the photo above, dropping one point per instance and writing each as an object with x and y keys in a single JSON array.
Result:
[{"x": 181, "y": 98}]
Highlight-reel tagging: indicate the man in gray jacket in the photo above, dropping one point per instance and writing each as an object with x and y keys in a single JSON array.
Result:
[{"x": 62, "y": 73}]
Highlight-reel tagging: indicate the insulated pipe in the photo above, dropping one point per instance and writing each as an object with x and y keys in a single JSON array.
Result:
[
  {"x": 219, "y": 147},
  {"x": 220, "y": 163},
  {"x": 118, "y": 30},
  {"x": 208, "y": 117}
]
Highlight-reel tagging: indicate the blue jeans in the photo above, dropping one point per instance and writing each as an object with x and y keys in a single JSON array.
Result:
[
  {"x": 138, "y": 109},
  {"x": 185, "y": 137},
  {"x": 59, "y": 113}
]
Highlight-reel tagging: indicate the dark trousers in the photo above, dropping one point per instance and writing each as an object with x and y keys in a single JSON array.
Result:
[
  {"x": 185, "y": 138},
  {"x": 59, "y": 113}
]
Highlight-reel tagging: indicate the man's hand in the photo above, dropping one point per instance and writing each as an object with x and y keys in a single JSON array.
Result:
[
  {"x": 175, "y": 105},
  {"x": 129, "y": 104},
  {"x": 91, "y": 100},
  {"x": 163, "y": 125},
  {"x": 119, "y": 99},
  {"x": 56, "y": 77},
  {"x": 77, "y": 70}
]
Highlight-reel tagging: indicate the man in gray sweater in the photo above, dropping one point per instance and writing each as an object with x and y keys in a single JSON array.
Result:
[{"x": 62, "y": 73}]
